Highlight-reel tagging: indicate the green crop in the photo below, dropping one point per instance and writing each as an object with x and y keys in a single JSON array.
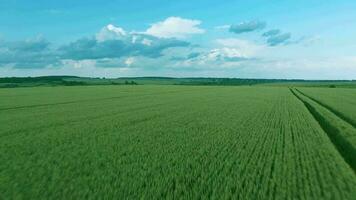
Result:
[
  {"x": 166, "y": 142},
  {"x": 340, "y": 101}
]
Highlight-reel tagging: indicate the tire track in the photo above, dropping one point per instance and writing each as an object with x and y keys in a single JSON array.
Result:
[
  {"x": 344, "y": 147},
  {"x": 337, "y": 113}
]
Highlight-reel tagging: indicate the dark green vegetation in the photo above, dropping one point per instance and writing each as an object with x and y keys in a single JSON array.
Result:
[
  {"x": 341, "y": 102},
  {"x": 135, "y": 141},
  {"x": 12, "y": 82},
  {"x": 341, "y": 133}
]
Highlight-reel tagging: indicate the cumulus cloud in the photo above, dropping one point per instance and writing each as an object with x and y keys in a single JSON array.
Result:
[
  {"x": 115, "y": 42},
  {"x": 247, "y": 26},
  {"x": 129, "y": 61},
  {"x": 147, "y": 42},
  {"x": 110, "y": 42},
  {"x": 33, "y": 53},
  {"x": 213, "y": 59},
  {"x": 79, "y": 64},
  {"x": 175, "y": 27},
  {"x": 113, "y": 47},
  {"x": 234, "y": 50},
  {"x": 124, "y": 62},
  {"x": 217, "y": 58},
  {"x": 110, "y": 32},
  {"x": 160, "y": 47},
  {"x": 245, "y": 47},
  {"x": 93, "y": 49},
  {"x": 226, "y": 55}
]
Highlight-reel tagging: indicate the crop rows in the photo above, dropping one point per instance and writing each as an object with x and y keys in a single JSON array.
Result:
[
  {"x": 166, "y": 142},
  {"x": 339, "y": 101},
  {"x": 341, "y": 133}
]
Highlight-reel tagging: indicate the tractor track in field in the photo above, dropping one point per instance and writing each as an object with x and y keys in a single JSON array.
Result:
[
  {"x": 344, "y": 147},
  {"x": 335, "y": 112}
]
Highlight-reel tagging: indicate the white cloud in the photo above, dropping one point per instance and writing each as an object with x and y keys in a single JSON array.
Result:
[
  {"x": 226, "y": 53},
  {"x": 214, "y": 59},
  {"x": 129, "y": 61},
  {"x": 110, "y": 32},
  {"x": 78, "y": 64},
  {"x": 134, "y": 39},
  {"x": 244, "y": 47},
  {"x": 222, "y": 27},
  {"x": 116, "y": 30},
  {"x": 175, "y": 27},
  {"x": 229, "y": 53},
  {"x": 147, "y": 42}
]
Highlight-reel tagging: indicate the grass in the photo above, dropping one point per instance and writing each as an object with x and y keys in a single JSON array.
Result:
[{"x": 129, "y": 142}]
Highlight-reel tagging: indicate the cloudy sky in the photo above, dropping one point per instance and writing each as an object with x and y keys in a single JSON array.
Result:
[{"x": 309, "y": 39}]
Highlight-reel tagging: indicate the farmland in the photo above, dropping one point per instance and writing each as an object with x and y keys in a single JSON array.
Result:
[
  {"x": 166, "y": 141},
  {"x": 340, "y": 101}
]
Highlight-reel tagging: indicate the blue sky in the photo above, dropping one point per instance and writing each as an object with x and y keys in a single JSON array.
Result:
[{"x": 245, "y": 39}]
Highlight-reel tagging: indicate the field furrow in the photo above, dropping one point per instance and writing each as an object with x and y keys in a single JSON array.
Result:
[{"x": 341, "y": 133}]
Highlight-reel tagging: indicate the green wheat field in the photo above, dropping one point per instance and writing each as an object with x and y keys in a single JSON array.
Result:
[{"x": 177, "y": 142}]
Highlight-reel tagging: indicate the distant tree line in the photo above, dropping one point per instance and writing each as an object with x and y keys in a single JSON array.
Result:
[{"x": 77, "y": 81}]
